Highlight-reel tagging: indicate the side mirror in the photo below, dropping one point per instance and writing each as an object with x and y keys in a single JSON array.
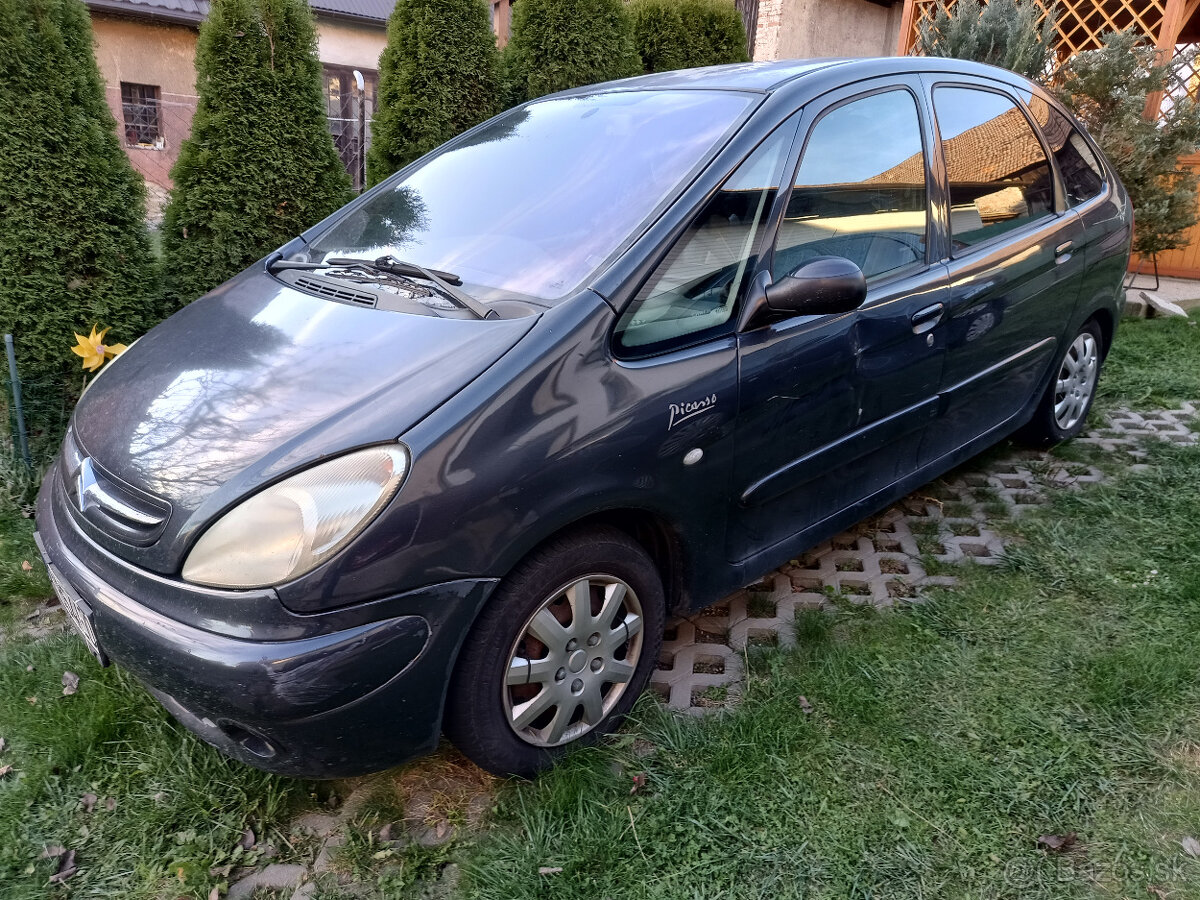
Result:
[{"x": 824, "y": 285}]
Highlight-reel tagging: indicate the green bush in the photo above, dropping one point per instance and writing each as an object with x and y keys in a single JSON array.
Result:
[
  {"x": 717, "y": 30},
  {"x": 1001, "y": 33},
  {"x": 684, "y": 34},
  {"x": 659, "y": 34},
  {"x": 260, "y": 165},
  {"x": 561, "y": 44},
  {"x": 438, "y": 76},
  {"x": 74, "y": 249}
]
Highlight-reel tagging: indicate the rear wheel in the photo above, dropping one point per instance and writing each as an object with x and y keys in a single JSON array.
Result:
[
  {"x": 560, "y": 654},
  {"x": 1064, "y": 407}
]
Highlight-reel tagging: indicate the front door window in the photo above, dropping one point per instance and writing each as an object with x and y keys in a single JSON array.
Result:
[{"x": 860, "y": 190}]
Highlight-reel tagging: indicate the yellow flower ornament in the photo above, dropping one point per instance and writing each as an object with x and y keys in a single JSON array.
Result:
[{"x": 94, "y": 351}]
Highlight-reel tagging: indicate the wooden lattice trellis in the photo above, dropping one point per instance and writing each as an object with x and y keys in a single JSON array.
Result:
[
  {"x": 1185, "y": 76},
  {"x": 1080, "y": 22}
]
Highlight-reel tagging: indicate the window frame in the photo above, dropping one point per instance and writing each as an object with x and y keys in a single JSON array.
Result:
[
  {"x": 159, "y": 140},
  {"x": 923, "y": 124},
  {"x": 1059, "y": 200}
]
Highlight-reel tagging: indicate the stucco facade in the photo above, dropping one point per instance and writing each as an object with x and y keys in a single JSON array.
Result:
[
  {"x": 146, "y": 53},
  {"x": 355, "y": 45},
  {"x": 805, "y": 29}
]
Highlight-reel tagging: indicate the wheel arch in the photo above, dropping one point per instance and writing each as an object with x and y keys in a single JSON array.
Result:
[
  {"x": 1108, "y": 326},
  {"x": 650, "y": 529}
]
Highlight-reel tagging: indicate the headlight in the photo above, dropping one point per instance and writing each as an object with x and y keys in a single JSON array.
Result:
[{"x": 293, "y": 526}]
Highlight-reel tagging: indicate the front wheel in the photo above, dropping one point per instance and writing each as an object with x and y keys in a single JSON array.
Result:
[
  {"x": 560, "y": 654},
  {"x": 1063, "y": 410}
]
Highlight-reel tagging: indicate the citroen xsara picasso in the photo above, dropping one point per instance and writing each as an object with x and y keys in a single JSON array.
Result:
[{"x": 446, "y": 461}]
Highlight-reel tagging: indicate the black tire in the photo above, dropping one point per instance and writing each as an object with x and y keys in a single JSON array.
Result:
[
  {"x": 484, "y": 710},
  {"x": 1051, "y": 426}
]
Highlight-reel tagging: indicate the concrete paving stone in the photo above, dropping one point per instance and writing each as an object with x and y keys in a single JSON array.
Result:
[{"x": 276, "y": 877}]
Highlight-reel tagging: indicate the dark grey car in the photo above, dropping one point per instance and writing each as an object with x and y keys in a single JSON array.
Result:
[{"x": 447, "y": 460}]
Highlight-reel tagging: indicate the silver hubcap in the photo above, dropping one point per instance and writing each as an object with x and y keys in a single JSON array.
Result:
[
  {"x": 1076, "y": 381},
  {"x": 573, "y": 660}
]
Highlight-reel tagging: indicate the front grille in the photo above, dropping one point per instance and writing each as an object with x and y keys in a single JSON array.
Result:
[
  {"x": 120, "y": 510},
  {"x": 325, "y": 288}
]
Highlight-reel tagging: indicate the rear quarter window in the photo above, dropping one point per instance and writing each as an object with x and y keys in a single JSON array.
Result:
[{"x": 1082, "y": 175}]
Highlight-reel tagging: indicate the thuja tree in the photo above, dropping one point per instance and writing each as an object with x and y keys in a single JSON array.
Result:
[
  {"x": 681, "y": 34},
  {"x": 1003, "y": 33},
  {"x": 260, "y": 165},
  {"x": 74, "y": 249},
  {"x": 438, "y": 76},
  {"x": 560, "y": 44},
  {"x": 1108, "y": 90}
]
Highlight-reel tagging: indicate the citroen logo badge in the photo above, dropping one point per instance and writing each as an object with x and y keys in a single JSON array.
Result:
[{"x": 86, "y": 484}]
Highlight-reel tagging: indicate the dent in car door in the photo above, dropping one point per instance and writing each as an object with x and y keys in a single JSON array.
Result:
[
  {"x": 1013, "y": 267},
  {"x": 833, "y": 408}
]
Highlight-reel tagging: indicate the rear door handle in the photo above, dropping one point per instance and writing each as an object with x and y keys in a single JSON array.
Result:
[
  {"x": 927, "y": 318},
  {"x": 1062, "y": 252}
]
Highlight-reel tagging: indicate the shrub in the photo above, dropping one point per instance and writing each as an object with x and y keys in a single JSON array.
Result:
[
  {"x": 74, "y": 249},
  {"x": 717, "y": 30},
  {"x": 682, "y": 34},
  {"x": 560, "y": 44},
  {"x": 259, "y": 166},
  {"x": 659, "y": 34},
  {"x": 438, "y": 76},
  {"x": 1003, "y": 33},
  {"x": 1108, "y": 90}
]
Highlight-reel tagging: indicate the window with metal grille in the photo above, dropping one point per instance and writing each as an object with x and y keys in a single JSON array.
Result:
[{"x": 140, "y": 106}]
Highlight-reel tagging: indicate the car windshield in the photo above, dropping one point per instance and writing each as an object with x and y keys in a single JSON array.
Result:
[{"x": 536, "y": 200}]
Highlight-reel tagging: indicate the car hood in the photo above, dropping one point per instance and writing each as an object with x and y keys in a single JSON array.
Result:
[{"x": 258, "y": 379}]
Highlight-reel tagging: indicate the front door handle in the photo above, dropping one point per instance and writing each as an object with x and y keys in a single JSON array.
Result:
[
  {"x": 927, "y": 318},
  {"x": 1062, "y": 252}
]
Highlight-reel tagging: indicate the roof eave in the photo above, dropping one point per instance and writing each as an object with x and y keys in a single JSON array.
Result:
[
  {"x": 146, "y": 14},
  {"x": 349, "y": 17}
]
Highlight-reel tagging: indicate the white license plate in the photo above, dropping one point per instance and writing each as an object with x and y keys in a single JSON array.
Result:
[{"x": 78, "y": 614}]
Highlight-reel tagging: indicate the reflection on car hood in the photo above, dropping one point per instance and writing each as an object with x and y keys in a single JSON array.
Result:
[{"x": 258, "y": 379}]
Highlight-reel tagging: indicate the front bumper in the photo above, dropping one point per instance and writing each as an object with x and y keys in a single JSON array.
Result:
[{"x": 354, "y": 691}]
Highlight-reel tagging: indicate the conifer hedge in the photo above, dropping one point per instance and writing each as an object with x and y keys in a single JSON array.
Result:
[
  {"x": 438, "y": 76},
  {"x": 560, "y": 44},
  {"x": 260, "y": 165},
  {"x": 683, "y": 34},
  {"x": 74, "y": 249}
]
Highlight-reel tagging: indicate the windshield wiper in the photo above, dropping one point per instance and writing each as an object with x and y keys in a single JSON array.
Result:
[
  {"x": 400, "y": 268},
  {"x": 395, "y": 266},
  {"x": 445, "y": 281}
]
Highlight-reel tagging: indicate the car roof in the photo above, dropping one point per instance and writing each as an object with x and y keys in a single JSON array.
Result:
[
  {"x": 756, "y": 76},
  {"x": 767, "y": 77}
]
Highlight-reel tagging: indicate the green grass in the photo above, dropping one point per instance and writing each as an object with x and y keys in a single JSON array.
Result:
[
  {"x": 179, "y": 807},
  {"x": 20, "y": 587},
  {"x": 1154, "y": 362}
]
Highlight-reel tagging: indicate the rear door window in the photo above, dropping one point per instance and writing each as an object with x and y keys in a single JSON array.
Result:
[
  {"x": 998, "y": 173},
  {"x": 860, "y": 190}
]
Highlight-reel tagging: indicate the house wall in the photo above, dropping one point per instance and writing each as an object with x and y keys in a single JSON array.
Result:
[
  {"x": 806, "y": 29},
  {"x": 351, "y": 44},
  {"x": 146, "y": 53}
]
